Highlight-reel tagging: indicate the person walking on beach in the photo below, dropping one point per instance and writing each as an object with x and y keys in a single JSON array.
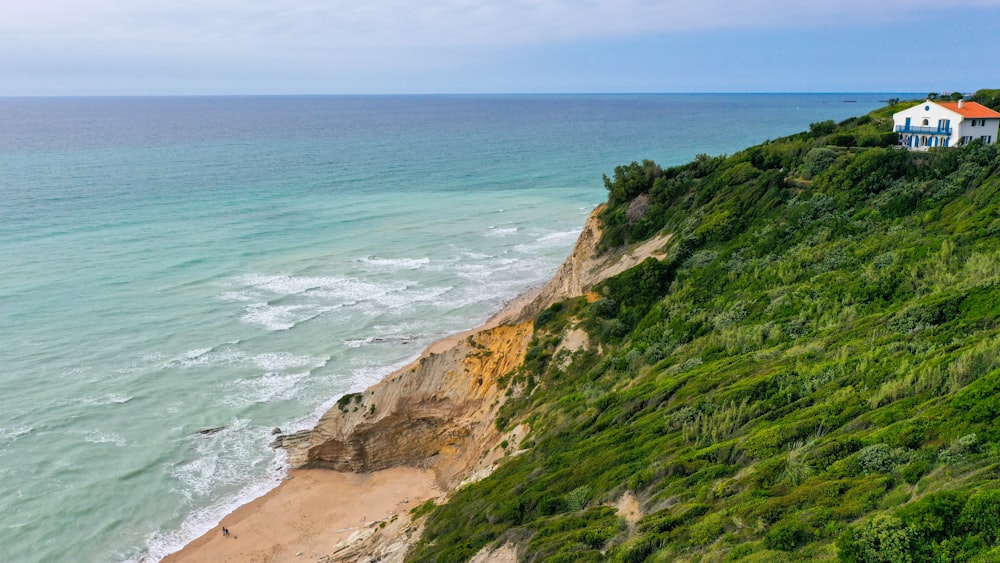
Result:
[{"x": 225, "y": 532}]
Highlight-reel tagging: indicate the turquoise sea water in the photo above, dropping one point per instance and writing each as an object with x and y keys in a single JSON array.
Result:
[{"x": 169, "y": 265}]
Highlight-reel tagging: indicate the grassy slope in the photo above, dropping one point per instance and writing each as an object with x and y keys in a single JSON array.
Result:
[{"x": 814, "y": 373}]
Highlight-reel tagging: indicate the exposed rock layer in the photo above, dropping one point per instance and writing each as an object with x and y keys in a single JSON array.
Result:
[{"x": 439, "y": 412}]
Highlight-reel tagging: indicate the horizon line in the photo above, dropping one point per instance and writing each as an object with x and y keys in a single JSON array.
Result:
[{"x": 459, "y": 94}]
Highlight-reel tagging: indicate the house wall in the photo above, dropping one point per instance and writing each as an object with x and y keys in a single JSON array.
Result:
[{"x": 991, "y": 129}]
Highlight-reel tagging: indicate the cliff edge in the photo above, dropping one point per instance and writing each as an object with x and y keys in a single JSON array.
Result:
[{"x": 439, "y": 412}]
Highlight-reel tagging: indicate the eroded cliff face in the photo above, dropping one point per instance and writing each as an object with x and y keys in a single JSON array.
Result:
[
  {"x": 587, "y": 266},
  {"x": 439, "y": 413}
]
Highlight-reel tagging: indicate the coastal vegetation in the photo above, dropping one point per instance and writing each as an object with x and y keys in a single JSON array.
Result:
[{"x": 812, "y": 373}]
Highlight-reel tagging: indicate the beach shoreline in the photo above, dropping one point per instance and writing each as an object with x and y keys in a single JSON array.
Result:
[
  {"x": 453, "y": 387},
  {"x": 292, "y": 518},
  {"x": 309, "y": 513}
]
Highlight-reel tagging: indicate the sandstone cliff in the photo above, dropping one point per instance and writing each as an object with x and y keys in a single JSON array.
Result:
[{"x": 439, "y": 413}]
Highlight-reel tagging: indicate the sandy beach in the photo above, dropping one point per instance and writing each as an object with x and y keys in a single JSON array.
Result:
[
  {"x": 453, "y": 388},
  {"x": 312, "y": 510},
  {"x": 308, "y": 514}
]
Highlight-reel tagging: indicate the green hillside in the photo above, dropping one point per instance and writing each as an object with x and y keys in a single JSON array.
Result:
[{"x": 812, "y": 374}]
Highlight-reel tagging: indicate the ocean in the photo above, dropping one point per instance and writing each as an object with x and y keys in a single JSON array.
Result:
[{"x": 179, "y": 276}]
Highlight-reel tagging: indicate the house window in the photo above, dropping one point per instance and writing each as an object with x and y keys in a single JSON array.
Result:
[{"x": 925, "y": 122}]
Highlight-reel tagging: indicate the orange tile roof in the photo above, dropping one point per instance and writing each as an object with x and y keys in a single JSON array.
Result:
[{"x": 971, "y": 109}]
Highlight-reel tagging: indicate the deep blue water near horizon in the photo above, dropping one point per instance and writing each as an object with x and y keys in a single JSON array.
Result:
[{"x": 169, "y": 265}]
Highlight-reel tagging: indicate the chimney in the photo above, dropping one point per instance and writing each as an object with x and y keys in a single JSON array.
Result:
[{"x": 961, "y": 103}]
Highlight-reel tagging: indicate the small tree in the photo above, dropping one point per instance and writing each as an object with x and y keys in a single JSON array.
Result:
[
  {"x": 822, "y": 128},
  {"x": 631, "y": 180}
]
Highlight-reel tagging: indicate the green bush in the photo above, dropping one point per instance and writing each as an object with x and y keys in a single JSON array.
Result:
[
  {"x": 883, "y": 539},
  {"x": 577, "y": 498},
  {"x": 822, "y": 128},
  {"x": 818, "y": 160},
  {"x": 981, "y": 515},
  {"x": 880, "y": 458},
  {"x": 786, "y": 536},
  {"x": 934, "y": 517},
  {"x": 631, "y": 180}
]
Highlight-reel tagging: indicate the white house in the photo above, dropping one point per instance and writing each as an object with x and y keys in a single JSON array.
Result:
[{"x": 945, "y": 124}]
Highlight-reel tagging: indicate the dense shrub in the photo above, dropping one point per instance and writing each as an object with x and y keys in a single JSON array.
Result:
[
  {"x": 786, "y": 536},
  {"x": 881, "y": 458},
  {"x": 631, "y": 180},
  {"x": 981, "y": 515},
  {"x": 818, "y": 160},
  {"x": 883, "y": 539},
  {"x": 811, "y": 372}
]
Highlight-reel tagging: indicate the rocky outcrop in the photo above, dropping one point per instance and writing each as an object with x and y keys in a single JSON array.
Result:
[{"x": 439, "y": 413}]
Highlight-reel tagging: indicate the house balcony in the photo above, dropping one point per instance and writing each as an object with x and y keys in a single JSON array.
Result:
[{"x": 923, "y": 130}]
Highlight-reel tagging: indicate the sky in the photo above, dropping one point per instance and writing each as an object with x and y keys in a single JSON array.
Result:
[{"x": 172, "y": 47}]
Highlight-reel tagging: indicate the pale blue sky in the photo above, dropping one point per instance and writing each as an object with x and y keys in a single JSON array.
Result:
[{"x": 69, "y": 47}]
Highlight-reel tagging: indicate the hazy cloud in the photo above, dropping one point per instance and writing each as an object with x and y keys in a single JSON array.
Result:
[
  {"x": 151, "y": 46},
  {"x": 341, "y": 24}
]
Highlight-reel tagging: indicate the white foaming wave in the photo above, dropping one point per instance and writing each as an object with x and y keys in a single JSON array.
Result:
[
  {"x": 267, "y": 388},
  {"x": 498, "y": 283},
  {"x": 389, "y": 339},
  {"x": 481, "y": 272},
  {"x": 549, "y": 241},
  {"x": 15, "y": 432},
  {"x": 395, "y": 264},
  {"x": 407, "y": 298},
  {"x": 494, "y": 231},
  {"x": 282, "y": 317},
  {"x": 412, "y": 328},
  {"x": 276, "y": 361},
  {"x": 163, "y": 543},
  {"x": 10, "y": 435},
  {"x": 206, "y": 356},
  {"x": 283, "y": 284},
  {"x": 358, "y": 342},
  {"x": 196, "y": 353},
  {"x": 99, "y": 437},
  {"x": 405, "y": 332},
  {"x": 473, "y": 255},
  {"x": 227, "y": 355},
  {"x": 209, "y": 469},
  {"x": 111, "y": 399},
  {"x": 353, "y": 291}
]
